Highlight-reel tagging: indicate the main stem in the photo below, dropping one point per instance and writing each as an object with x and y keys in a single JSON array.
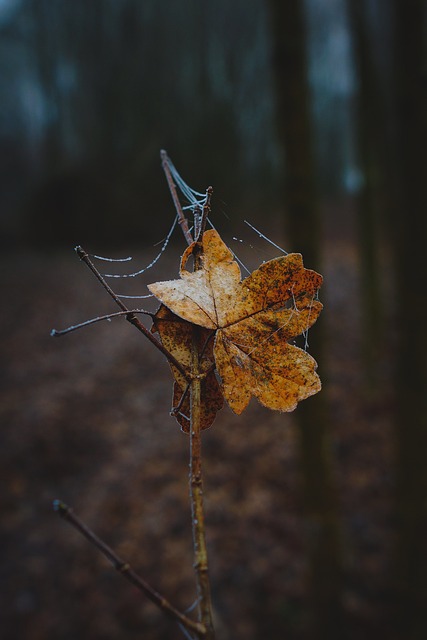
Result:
[
  {"x": 196, "y": 497},
  {"x": 196, "y": 484}
]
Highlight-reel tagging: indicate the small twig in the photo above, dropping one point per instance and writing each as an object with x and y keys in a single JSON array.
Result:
[
  {"x": 196, "y": 482},
  {"x": 130, "y": 315},
  {"x": 195, "y": 479},
  {"x": 127, "y": 572},
  {"x": 197, "y": 220},
  {"x": 196, "y": 495},
  {"x": 182, "y": 220},
  {"x": 84, "y": 257},
  {"x": 177, "y": 409},
  {"x": 62, "y": 332}
]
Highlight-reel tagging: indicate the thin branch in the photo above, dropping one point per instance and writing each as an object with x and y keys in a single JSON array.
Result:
[
  {"x": 197, "y": 222},
  {"x": 130, "y": 315},
  {"x": 62, "y": 332},
  {"x": 84, "y": 256},
  {"x": 127, "y": 572},
  {"x": 196, "y": 495},
  {"x": 195, "y": 479},
  {"x": 176, "y": 410},
  {"x": 182, "y": 220}
]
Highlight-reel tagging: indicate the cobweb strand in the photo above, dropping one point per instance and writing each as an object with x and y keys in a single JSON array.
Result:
[
  {"x": 195, "y": 198},
  {"x": 244, "y": 267},
  {"x": 186, "y": 633},
  {"x": 92, "y": 255},
  {"x": 149, "y": 295},
  {"x": 151, "y": 264},
  {"x": 261, "y": 235}
]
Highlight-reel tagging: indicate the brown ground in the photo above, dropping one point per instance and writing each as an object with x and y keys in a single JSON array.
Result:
[{"x": 85, "y": 419}]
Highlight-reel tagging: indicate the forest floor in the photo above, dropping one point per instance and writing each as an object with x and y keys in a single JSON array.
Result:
[{"x": 85, "y": 418}]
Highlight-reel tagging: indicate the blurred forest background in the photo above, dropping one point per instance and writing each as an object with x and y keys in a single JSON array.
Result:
[{"x": 309, "y": 118}]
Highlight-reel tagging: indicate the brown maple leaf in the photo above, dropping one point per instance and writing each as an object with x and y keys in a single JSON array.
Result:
[
  {"x": 176, "y": 335},
  {"x": 253, "y": 321}
]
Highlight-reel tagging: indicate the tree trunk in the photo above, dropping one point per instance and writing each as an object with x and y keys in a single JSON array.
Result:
[
  {"x": 370, "y": 141},
  {"x": 409, "y": 226},
  {"x": 295, "y": 135}
]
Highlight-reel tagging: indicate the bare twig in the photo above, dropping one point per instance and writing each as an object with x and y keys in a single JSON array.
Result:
[
  {"x": 62, "y": 332},
  {"x": 182, "y": 220},
  {"x": 176, "y": 410},
  {"x": 195, "y": 479},
  {"x": 86, "y": 259},
  {"x": 127, "y": 572},
  {"x": 204, "y": 627},
  {"x": 130, "y": 315},
  {"x": 196, "y": 495}
]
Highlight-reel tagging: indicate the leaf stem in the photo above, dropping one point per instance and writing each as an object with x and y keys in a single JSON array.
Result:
[{"x": 127, "y": 572}]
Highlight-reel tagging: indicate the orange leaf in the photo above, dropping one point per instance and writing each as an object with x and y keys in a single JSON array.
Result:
[{"x": 253, "y": 320}]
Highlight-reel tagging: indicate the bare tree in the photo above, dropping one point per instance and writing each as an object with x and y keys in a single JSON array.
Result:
[{"x": 370, "y": 138}]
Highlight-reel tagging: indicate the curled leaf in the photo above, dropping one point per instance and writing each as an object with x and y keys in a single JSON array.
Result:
[{"x": 176, "y": 335}]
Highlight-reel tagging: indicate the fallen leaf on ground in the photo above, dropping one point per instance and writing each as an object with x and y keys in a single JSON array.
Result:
[{"x": 253, "y": 321}]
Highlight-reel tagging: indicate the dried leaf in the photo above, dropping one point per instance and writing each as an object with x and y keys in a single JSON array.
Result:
[
  {"x": 176, "y": 336},
  {"x": 253, "y": 321}
]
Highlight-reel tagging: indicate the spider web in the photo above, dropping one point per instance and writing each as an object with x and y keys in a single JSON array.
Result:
[{"x": 195, "y": 201}]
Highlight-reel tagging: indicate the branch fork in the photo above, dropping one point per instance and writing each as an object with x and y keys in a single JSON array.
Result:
[{"x": 194, "y": 376}]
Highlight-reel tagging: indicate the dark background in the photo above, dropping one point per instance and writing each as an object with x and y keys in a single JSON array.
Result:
[{"x": 310, "y": 120}]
